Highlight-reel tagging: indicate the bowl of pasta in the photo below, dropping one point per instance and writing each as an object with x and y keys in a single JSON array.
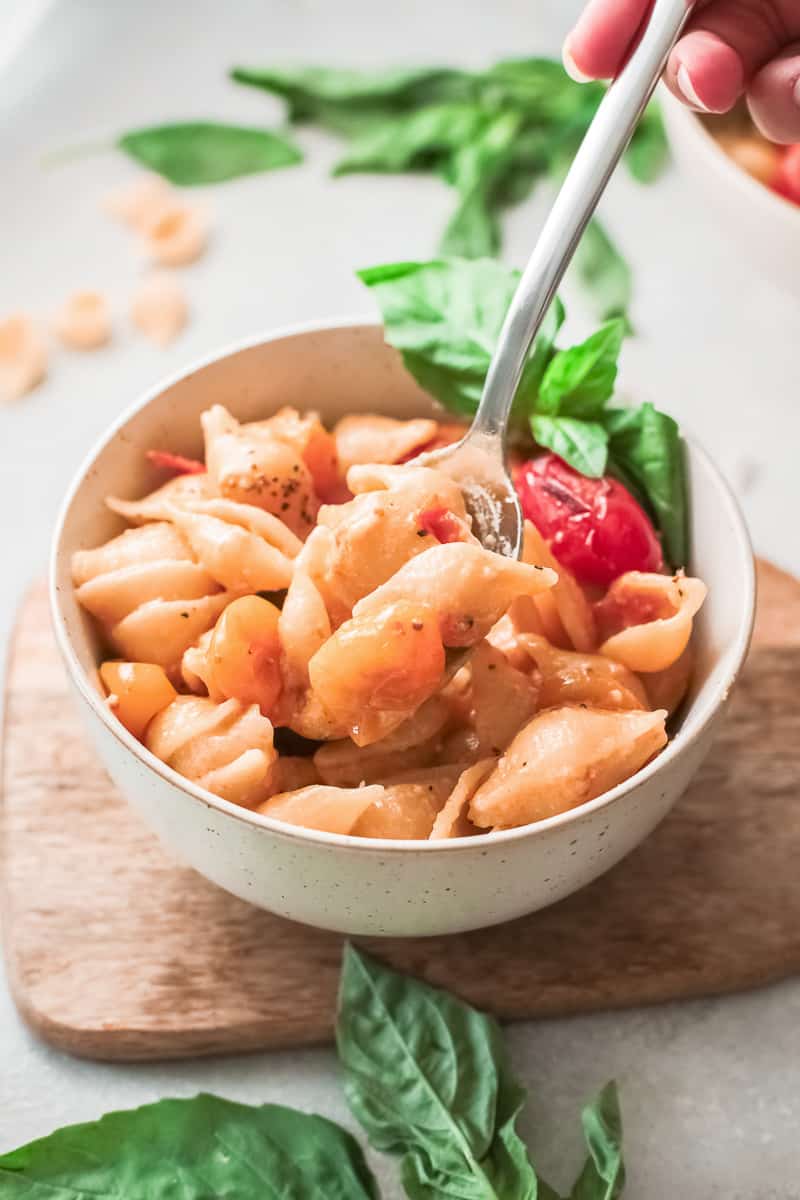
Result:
[{"x": 302, "y": 669}]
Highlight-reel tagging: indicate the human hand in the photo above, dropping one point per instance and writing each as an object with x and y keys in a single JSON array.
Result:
[{"x": 729, "y": 48}]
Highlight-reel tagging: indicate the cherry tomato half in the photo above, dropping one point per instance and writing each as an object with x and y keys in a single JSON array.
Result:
[{"x": 594, "y": 526}]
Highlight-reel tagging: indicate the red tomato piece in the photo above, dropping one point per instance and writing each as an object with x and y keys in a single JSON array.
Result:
[
  {"x": 444, "y": 525},
  {"x": 175, "y": 462},
  {"x": 594, "y": 526}
]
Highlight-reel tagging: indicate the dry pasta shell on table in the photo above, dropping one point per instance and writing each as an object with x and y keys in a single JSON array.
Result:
[
  {"x": 654, "y": 615},
  {"x": 23, "y": 357},
  {"x": 84, "y": 321},
  {"x": 139, "y": 202},
  {"x": 376, "y": 439},
  {"x": 329, "y": 809},
  {"x": 226, "y": 748},
  {"x": 159, "y": 308},
  {"x": 568, "y": 677},
  {"x": 176, "y": 234},
  {"x": 562, "y": 758}
]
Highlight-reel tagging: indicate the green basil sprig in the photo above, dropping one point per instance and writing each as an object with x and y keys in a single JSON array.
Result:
[
  {"x": 196, "y": 1148},
  {"x": 427, "y": 1076},
  {"x": 429, "y": 1079},
  {"x": 445, "y": 318},
  {"x": 197, "y": 152},
  {"x": 491, "y": 135}
]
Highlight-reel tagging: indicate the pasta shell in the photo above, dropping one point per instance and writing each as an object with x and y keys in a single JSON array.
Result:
[
  {"x": 567, "y": 677},
  {"x": 573, "y": 614},
  {"x": 176, "y": 234},
  {"x": 23, "y": 357},
  {"x": 409, "y": 805},
  {"x": 226, "y": 748},
  {"x": 160, "y": 505},
  {"x": 374, "y": 439},
  {"x": 139, "y": 202},
  {"x": 453, "y": 821},
  {"x": 159, "y": 308},
  {"x": 249, "y": 464},
  {"x": 469, "y": 588},
  {"x": 562, "y": 758},
  {"x": 332, "y": 810},
  {"x": 84, "y": 322},
  {"x": 654, "y": 615}
]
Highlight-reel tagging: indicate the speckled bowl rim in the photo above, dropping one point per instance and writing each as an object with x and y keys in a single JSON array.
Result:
[{"x": 659, "y": 765}]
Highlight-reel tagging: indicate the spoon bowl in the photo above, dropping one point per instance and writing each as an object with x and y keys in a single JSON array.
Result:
[{"x": 477, "y": 464}]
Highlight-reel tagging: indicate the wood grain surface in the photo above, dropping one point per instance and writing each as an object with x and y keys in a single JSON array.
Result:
[{"x": 117, "y": 952}]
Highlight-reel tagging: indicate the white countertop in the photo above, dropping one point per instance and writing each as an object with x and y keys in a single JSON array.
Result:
[{"x": 709, "y": 1089}]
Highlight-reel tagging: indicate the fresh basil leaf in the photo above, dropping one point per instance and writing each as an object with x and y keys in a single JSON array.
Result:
[
  {"x": 581, "y": 444},
  {"x": 204, "y": 152},
  {"x": 194, "y": 1148},
  {"x": 429, "y": 1079},
  {"x": 475, "y": 171},
  {"x": 323, "y": 93},
  {"x": 646, "y": 445},
  {"x": 444, "y": 317},
  {"x": 648, "y": 152},
  {"x": 579, "y": 381},
  {"x": 408, "y": 140},
  {"x": 603, "y": 1176},
  {"x": 604, "y": 273}
]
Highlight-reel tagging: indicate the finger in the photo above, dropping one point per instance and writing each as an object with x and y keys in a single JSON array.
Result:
[
  {"x": 705, "y": 72},
  {"x": 598, "y": 45},
  {"x": 774, "y": 97},
  {"x": 726, "y": 44}
]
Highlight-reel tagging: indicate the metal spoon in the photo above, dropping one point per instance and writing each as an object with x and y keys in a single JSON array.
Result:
[{"x": 478, "y": 461}]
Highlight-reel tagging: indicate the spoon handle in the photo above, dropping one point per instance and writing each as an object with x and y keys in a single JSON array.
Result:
[{"x": 601, "y": 149}]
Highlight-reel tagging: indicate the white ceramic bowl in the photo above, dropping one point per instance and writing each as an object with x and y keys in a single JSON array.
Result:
[
  {"x": 357, "y": 885},
  {"x": 762, "y": 226}
]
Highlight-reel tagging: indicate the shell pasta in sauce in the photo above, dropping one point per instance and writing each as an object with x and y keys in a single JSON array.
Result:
[{"x": 286, "y": 621}]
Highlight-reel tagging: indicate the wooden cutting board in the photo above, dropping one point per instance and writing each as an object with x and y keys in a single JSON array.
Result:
[{"x": 117, "y": 952}]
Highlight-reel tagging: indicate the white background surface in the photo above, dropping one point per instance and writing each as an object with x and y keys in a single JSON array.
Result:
[{"x": 710, "y": 1089}]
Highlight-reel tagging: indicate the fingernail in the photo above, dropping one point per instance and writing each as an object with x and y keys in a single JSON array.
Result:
[
  {"x": 687, "y": 89},
  {"x": 796, "y": 93},
  {"x": 571, "y": 67}
]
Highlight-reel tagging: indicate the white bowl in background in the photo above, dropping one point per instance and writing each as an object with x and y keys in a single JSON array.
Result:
[
  {"x": 762, "y": 226},
  {"x": 358, "y": 885}
]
